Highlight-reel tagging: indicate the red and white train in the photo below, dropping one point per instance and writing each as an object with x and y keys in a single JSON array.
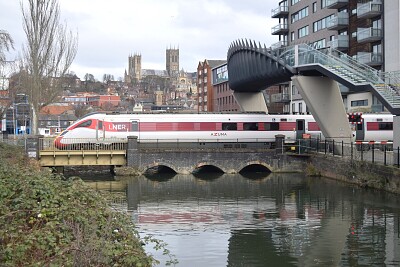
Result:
[
  {"x": 190, "y": 128},
  {"x": 374, "y": 128},
  {"x": 208, "y": 128}
]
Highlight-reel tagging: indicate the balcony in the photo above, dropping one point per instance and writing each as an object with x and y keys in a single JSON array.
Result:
[
  {"x": 280, "y": 98},
  {"x": 281, "y": 28},
  {"x": 338, "y": 22},
  {"x": 367, "y": 35},
  {"x": 280, "y": 12},
  {"x": 279, "y": 44},
  {"x": 336, "y": 4},
  {"x": 341, "y": 43},
  {"x": 369, "y": 10},
  {"x": 369, "y": 58}
]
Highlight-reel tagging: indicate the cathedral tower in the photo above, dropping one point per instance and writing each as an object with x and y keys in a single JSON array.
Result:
[
  {"x": 135, "y": 67},
  {"x": 172, "y": 62}
]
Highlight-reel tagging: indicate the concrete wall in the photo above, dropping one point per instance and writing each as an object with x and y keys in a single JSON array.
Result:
[{"x": 392, "y": 35}]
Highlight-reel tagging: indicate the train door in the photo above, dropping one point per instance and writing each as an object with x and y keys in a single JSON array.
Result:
[
  {"x": 360, "y": 133},
  {"x": 135, "y": 128},
  {"x": 100, "y": 133},
  {"x": 358, "y": 125},
  {"x": 300, "y": 128}
]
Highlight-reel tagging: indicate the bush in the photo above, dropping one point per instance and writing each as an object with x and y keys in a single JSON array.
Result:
[{"x": 49, "y": 221}]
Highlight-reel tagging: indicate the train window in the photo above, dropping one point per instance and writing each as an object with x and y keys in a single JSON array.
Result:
[
  {"x": 250, "y": 126},
  {"x": 100, "y": 125},
  {"x": 300, "y": 125},
  {"x": 134, "y": 126},
  {"x": 385, "y": 126},
  {"x": 85, "y": 124},
  {"x": 229, "y": 126},
  {"x": 271, "y": 126}
]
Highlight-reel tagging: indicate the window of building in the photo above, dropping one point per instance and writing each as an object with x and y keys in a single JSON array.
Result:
[
  {"x": 359, "y": 103},
  {"x": 300, "y": 14},
  {"x": 295, "y": 2},
  {"x": 321, "y": 24},
  {"x": 314, "y": 7},
  {"x": 302, "y": 32},
  {"x": 292, "y": 36},
  {"x": 323, "y": 4},
  {"x": 377, "y": 24},
  {"x": 319, "y": 44},
  {"x": 294, "y": 91},
  {"x": 300, "y": 107},
  {"x": 377, "y": 49}
]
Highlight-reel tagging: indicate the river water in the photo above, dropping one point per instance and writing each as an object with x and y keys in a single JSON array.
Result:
[{"x": 263, "y": 220}]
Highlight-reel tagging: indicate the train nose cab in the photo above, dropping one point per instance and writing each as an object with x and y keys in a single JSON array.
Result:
[{"x": 58, "y": 140}]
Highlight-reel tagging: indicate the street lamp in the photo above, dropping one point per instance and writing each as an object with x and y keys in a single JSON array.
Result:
[{"x": 59, "y": 124}]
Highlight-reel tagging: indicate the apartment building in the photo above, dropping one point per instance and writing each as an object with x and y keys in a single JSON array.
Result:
[
  {"x": 223, "y": 95},
  {"x": 367, "y": 30},
  {"x": 205, "y": 93}
]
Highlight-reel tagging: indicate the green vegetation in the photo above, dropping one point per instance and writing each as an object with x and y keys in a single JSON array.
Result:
[
  {"x": 49, "y": 221},
  {"x": 311, "y": 170}
]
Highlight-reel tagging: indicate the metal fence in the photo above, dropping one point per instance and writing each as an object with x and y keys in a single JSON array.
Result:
[
  {"x": 83, "y": 144},
  {"x": 379, "y": 154}
]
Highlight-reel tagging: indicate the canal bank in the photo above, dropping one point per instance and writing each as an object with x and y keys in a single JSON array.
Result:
[{"x": 362, "y": 173}]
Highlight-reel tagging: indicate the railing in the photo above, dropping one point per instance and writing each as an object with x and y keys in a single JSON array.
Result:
[
  {"x": 110, "y": 144},
  {"x": 279, "y": 27},
  {"x": 364, "y": 34},
  {"x": 278, "y": 10},
  {"x": 382, "y": 154},
  {"x": 83, "y": 144},
  {"x": 374, "y": 6},
  {"x": 343, "y": 65}
]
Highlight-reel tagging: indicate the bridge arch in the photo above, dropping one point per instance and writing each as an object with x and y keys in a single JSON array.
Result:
[
  {"x": 158, "y": 165},
  {"x": 260, "y": 165},
  {"x": 214, "y": 166}
]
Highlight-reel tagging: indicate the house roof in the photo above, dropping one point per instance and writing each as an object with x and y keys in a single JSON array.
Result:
[{"x": 56, "y": 109}]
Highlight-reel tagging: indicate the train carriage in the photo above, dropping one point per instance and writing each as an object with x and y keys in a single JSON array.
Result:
[{"x": 245, "y": 128}]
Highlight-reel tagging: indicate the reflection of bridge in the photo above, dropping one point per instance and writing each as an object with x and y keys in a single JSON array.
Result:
[{"x": 253, "y": 68}]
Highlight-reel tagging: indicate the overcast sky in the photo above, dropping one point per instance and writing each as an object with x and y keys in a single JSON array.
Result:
[{"x": 109, "y": 31}]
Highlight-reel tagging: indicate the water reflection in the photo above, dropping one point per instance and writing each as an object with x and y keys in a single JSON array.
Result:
[{"x": 272, "y": 220}]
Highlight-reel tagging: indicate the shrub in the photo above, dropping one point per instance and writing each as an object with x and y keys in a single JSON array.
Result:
[{"x": 49, "y": 221}]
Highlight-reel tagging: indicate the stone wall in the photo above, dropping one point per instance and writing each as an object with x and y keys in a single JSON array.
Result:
[{"x": 362, "y": 173}]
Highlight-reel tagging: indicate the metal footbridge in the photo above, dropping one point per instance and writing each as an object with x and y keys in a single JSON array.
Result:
[{"x": 253, "y": 67}]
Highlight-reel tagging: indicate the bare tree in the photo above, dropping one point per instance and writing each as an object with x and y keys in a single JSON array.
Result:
[
  {"x": 89, "y": 78},
  {"x": 107, "y": 78},
  {"x": 49, "y": 52},
  {"x": 6, "y": 44}
]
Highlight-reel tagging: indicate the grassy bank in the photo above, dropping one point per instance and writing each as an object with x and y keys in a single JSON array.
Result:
[{"x": 49, "y": 221}]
